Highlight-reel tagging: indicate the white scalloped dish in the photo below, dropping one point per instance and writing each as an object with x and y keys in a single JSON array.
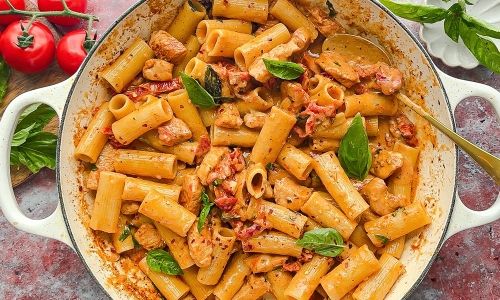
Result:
[{"x": 456, "y": 54}]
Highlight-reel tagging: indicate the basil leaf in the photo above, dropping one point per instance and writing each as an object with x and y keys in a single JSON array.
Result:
[
  {"x": 39, "y": 114},
  {"x": 481, "y": 27},
  {"x": 38, "y": 151},
  {"x": 484, "y": 50},
  {"x": 4, "y": 78},
  {"x": 213, "y": 84},
  {"x": 324, "y": 241},
  {"x": 331, "y": 10},
  {"x": 270, "y": 166},
  {"x": 354, "y": 153},
  {"x": 283, "y": 69},
  {"x": 207, "y": 206},
  {"x": 125, "y": 233},
  {"x": 383, "y": 239},
  {"x": 416, "y": 12},
  {"x": 22, "y": 135},
  {"x": 198, "y": 95},
  {"x": 452, "y": 22},
  {"x": 161, "y": 261}
]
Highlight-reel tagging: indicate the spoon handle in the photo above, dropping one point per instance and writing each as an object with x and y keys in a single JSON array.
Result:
[{"x": 487, "y": 161}]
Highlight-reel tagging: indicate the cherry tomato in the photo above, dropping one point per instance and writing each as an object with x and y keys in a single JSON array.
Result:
[
  {"x": 35, "y": 56},
  {"x": 19, "y": 4},
  {"x": 56, "y": 5},
  {"x": 71, "y": 51}
]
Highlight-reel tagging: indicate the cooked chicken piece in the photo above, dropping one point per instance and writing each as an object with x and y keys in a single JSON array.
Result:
[
  {"x": 381, "y": 201},
  {"x": 299, "y": 41},
  {"x": 385, "y": 162},
  {"x": 157, "y": 70},
  {"x": 289, "y": 194},
  {"x": 130, "y": 207},
  {"x": 148, "y": 237},
  {"x": 386, "y": 78},
  {"x": 407, "y": 130},
  {"x": 323, "y": 22},
  {"x": 228, "y": 116},
  {"x": 190, "y": 194},
  {"x": 337, "y": 66},
  {"x": 174, "y": 132},
  {"x": 200, "y": 245},
  {"x": 255, "y": 119},
  {"x": 239, "y": 81},
  {"x": 259, "y": 263},
  {"x": 92, "y": 180},
  {"x": 296, "y": 93},
  {"x": 167, "y": 47}
]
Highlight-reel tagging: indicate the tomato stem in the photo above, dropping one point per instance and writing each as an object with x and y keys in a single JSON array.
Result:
[{"x": 67, "y": 12}]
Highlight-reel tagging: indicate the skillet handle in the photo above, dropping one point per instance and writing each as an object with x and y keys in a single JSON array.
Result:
[
  {"x": 53, "y": 226},
  {"x": 463, "y": 217}
]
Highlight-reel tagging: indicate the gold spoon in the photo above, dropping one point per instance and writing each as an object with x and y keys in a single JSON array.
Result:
[{"x": 355, "y": 47}]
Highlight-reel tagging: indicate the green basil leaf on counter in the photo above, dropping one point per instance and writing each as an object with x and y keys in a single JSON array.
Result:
[
  {"x": 416, "y": 12},
  {"x": 206, "y": 207},
  {"x": 125, "y": 234},
  {"x": 213, "y": 84},
  {"x": 37, "y": 152},
  {"x": 22, "y": 135},
  {"x": 481, "y": 27},
  {"x": 198, "y": 95},
  {"x": 4, "y": 78},
  {"x": 354, "y": 153},
  {"x": 159, "y": 260},
  {"x": 452, "y": 22},
  {"x": 283, "y": 69},
  {"x": 483, "y": 49},
  {"x": 324, "y": 241},
  {"x": 39, "y": 114},
  {"x": 382, "y": 238}
]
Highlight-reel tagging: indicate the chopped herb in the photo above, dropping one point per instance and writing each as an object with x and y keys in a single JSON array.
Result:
[
  {"x": 207, "y": 206},
  {"x": 213, "y": 84},
  {"x": 324, "y": 241},
  {"x": 383, "y": 239},
  {"x": 4, "y": 78},
  {"x": 270, "y": 166},
  {"x": 217, "y": 182},
  {"x": 93, "y": 167},
  {"x": 161, "y": 261},
  {"x": 125, "y": 233}
]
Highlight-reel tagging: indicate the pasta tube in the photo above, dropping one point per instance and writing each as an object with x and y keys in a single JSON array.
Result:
[
  {"x": 222, "y": 42},
  {"x": 119, "y": 245},
  {"x": 177, "y": 245},
  {"x": 171, "y": 287},
  {"x": 120, "y": 106},
  {"x": 108, "y": 202},
  {"x": 380, "y": 283},
  {"x": 397, "y": 223},
  {"x": 289, "y": 15},
  {"x": 128, "y": 65},
  {"x": 185, "y": 151},
  {"x": 273, "y": 243},
  {"x": 394, "y": 248},
  {"x": 370, "y": 104},
  {"x": 306, "y": 280},
  {"x": 224, "y": 241},
  {"x": 260, "y": 263},
  {"x": 256, "y": 180},
  {"x": 400, "y": 183},
  {"x": 283, "y": 219},
  {"x": 192, "y": 47},
  {"x": 295, "y": 161},
  {"x": 233, "y": 278},
  {"x": 346, "y": 276},
  {"x": 241, "y": 137},
  {"x": 199, "y": 290},
  {"x": 136, "y": 189},
  {"x": 333, "y": 177},
  {"x": 272, "y": 136},
  {"x": 187, "y": 112},
  {"x": 319, "y": 207},
  {"x": 168, "y": 213},
  {"x": 149, "y": 116},
  {"x": 94, "y": 139},
  {"x": 145, "y": 163},
  {"x": 184, "y": 24},
  {"x": 279, "y": 281},
  {"x": 253, "y": 289},
  {"x": 205, "y": 27},
  {"x": 248, "y": 10}
]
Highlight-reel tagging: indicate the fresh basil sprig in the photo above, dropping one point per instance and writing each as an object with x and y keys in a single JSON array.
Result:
[
  {"x": 416, "y": 12},
  {"x": 354, "y": 153},
  {"x": 4, "y": 78},
  {"x": 161, "y": 261},
  {"x": 457, "y": 24},
  {"x": 31, "y": 147},
  {"x": 206, "y": 207},
  {"x": 198, "y": 95},
  {"x": 125, "y": 233},
  {"x": 213, "y": 84},
  {"x": 283, "y": 69},
  {"x": 324, "y": 241}
]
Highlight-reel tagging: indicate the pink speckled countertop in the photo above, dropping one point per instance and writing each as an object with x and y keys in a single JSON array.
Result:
[{"x": 467, "y": 266}]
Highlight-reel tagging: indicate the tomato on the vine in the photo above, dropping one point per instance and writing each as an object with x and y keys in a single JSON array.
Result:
[
  {"x": 56, "y": 5},
  {"x": 7, "y": 19},
  {"x": 30, "y": 50},
  {"x": 71, "y": 50}
]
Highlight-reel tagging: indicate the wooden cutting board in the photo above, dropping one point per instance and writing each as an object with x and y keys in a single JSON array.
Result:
[{"x": 20, "y": 83}]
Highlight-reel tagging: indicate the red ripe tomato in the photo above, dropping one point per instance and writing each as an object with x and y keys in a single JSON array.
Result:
[
  {"x": 56, "y": 5},
  {"x": 19, "y": 4},
  {"x": 71, "y": 51},
  {"x": 34, "y": 57}
]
